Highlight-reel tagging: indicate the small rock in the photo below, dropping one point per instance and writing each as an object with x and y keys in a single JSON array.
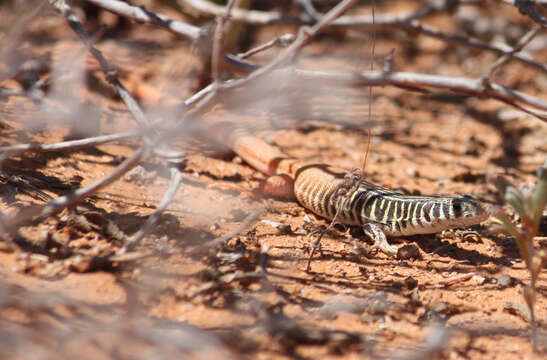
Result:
[
  {"x": 408, "y": 252},
  {"x": 283, "y": 228},
  {"x": 79, "y": 263},
  {"x": 237, "y": 160},
  {"x": 504, "y": 281},
  {"x": 411, "y": 283},
  {"x": 397, "y": 285},
  {"x": 478, "y": 279},
  {"x": 136, "y": 175},
  {"x": 412, "y": 172}
]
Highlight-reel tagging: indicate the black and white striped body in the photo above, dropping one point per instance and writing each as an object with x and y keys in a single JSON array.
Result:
[{"x": 395, "y": 214}]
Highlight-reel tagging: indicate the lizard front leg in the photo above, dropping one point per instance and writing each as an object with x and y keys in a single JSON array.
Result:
[{"x": 377, "y": 235}]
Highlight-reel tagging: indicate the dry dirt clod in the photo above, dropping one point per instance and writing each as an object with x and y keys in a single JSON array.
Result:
[{"x": 407, "y": 252}]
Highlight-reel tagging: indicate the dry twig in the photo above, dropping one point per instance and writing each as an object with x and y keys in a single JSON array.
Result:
[
  {"x": 142, "y": 15},
  {"x": 527, "y": 7},
  {"x": 65, "y": 201},
  {"x": 111, "y": 73},
  {"x": 407, "y": 21},
  {"x": 176, "y": 180},
  {"x": 248, "y": 221},
  {"x": 72, "y": 145},
  {"x": 218, "y": 41}
]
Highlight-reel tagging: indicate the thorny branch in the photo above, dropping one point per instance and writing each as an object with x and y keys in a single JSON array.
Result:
[
  {"x": 405, "y": 80},
  {"x": 500, "y": 49},
  {"x": 283, "y": 40}
]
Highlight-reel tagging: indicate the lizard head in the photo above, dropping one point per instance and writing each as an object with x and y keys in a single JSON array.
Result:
[{"x": 466, "y": 211}]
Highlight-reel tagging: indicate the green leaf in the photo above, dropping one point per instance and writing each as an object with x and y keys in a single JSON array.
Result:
[
  {"x": 515, "y": 199},
  {"x": 539, "y": 198},
  {"x": 521, "y": 238}
]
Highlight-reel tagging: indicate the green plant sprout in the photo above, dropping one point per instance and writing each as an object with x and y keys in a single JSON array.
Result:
[{"x": 528, "y": 203}]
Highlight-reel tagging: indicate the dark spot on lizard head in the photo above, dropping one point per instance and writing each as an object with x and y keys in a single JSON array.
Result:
[
  {"x": 467, "y": 207},
  {"x": 457, "y": 207}
]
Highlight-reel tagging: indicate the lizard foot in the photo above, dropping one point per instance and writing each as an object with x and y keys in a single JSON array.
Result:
[{"x": 377, "y": 235}]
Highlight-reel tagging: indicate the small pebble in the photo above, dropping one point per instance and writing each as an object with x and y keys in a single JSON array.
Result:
[
  {"x": 408, "y": 252},
  {"x": 479, "y": 279},
  {"x": 411, "y": 283},
  {"x": 237, "y": 160},
  {"x": 412, "y": 172},
  {"x": 137, "y": 175},
  {"x": 504, "y": 281}
]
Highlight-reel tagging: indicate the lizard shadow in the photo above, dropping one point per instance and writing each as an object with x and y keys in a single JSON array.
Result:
[
  {"x": 431, "y": 244},
  {"x": 444, "y": 248}
]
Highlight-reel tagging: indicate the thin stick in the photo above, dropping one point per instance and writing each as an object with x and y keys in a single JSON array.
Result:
[
  {"x": 363, "y": 168},
  {"x": 407, "y": 21},
  {"x": 218, "y": 41},
  {"x": 273, "y": 17},
  {"x": 72, "y": 145},
  {"x": 68, "y": 200},
  {"x": 250, "y": 219},
  {"x": 142, "y": 15},
  {"x": 176, "y": 180},
  {"x": 462, "y": 85},
  {"x": 283, "y": 40},
  {"x": 110, "y": 72},
  {"x": 525, "y": 40},
  {"x": 526, "y": 7},
  {"x": 202, "y": 99}
]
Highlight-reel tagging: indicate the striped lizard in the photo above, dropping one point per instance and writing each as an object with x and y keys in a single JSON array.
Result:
[{"x": 327, "y": 191}]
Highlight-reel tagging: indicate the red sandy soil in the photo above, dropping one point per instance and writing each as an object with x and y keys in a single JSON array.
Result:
[{"x": 60, "y": 296}]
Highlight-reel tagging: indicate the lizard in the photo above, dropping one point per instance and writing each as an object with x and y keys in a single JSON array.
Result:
[{"x": 334, "y": 193}]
